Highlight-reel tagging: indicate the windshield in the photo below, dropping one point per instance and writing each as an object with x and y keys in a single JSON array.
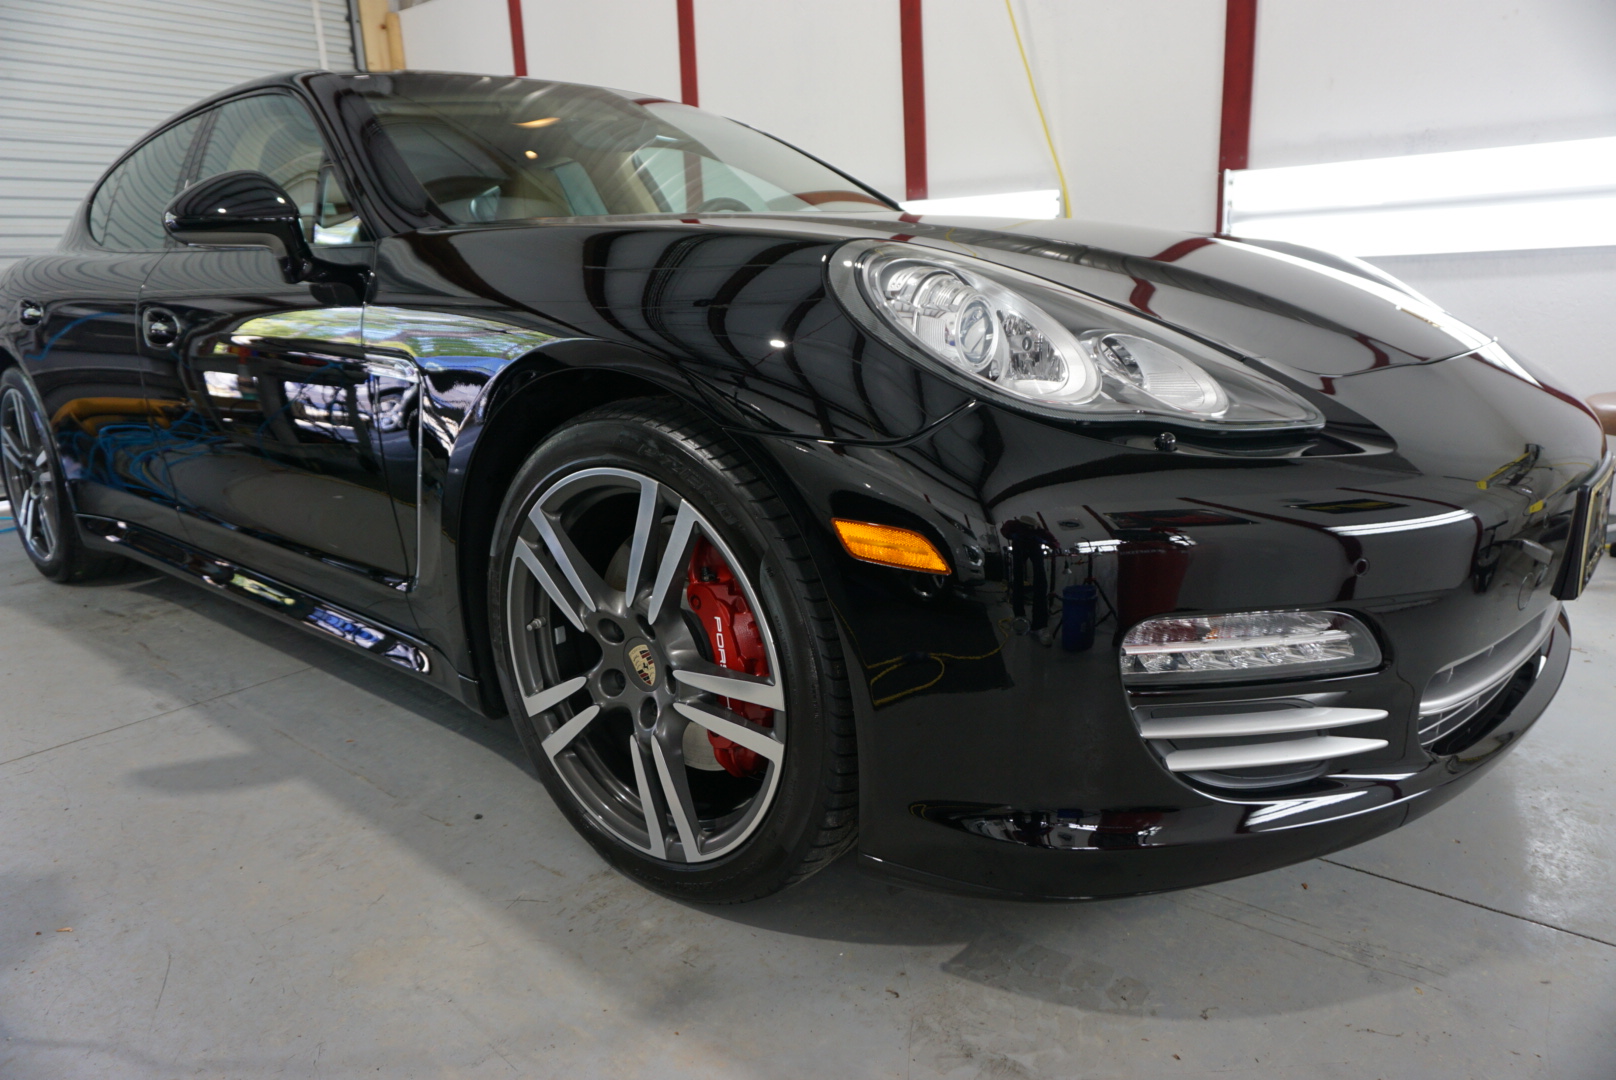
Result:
[{"x": 497, "y": 149}]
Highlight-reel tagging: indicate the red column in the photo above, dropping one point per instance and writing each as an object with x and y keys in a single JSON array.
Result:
[
  {"x": 914, "y": 99},
  {"x": 1239, "y": 55},
  {"x": 518, "y": 38},
  {"x": 687, "y": 52}
]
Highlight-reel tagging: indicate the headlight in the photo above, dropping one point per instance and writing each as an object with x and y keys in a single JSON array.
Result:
[
  {"x": 982, "y": 329},
  {"x": 1055, "y": 349},
  {"x": 1246, "y": 647}
]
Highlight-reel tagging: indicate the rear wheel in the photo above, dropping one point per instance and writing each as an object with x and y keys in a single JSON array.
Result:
[
  {"x": 670, "y": 657},
  {"x": 37, "y": 490}
]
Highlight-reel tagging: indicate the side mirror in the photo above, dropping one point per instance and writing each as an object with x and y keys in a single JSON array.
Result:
[{"x": 242, "y": 208}]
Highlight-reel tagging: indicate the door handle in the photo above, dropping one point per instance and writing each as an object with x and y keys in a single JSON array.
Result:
[
  {"x": 160, "y": 327},
  {"x": 30, "y": 313}
]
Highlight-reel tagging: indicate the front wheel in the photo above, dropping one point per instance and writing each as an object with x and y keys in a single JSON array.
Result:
[{"x": 670, "y": 657}]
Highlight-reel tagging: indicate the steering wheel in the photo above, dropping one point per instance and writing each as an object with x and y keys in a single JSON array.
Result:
[{"x": 722, "y": 202}]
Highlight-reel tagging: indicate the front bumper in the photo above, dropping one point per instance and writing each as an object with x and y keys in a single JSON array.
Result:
[
  {"x": 994, "y": 760},
  {"x": 1069, "y": 854}
]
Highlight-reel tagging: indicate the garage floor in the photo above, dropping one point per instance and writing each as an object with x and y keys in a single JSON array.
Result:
[{"x": 229, "y": 850}]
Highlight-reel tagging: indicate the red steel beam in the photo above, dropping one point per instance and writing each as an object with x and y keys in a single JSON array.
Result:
[
  {"x": 914, "y": 98},
  {"x": 518, "y": 38},
  {"x": 687, "y": 52},
  {"x": 1239, "y": 56}
]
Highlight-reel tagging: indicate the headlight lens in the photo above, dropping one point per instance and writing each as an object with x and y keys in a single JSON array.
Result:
[
  {"x": 1246, "y": 647},
  {"x": 983, "y": 329},
  {"x": 1148, "y": 373},
  {"x": 1051, "y": 348}
]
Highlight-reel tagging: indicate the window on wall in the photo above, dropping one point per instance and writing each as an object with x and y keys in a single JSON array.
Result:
[
  {"x": 274, "y": 134},
  {"x": 127, "y": 211},
  {"x": 1507, "y": 198}
]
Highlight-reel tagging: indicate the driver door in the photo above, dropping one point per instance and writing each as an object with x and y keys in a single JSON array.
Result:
[{"x": 274, "y": 458}]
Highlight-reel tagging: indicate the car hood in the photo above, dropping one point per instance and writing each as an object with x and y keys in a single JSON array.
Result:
[
  {"x": 1377, "y": 358},
  {"x": 1370, "y": 347}
]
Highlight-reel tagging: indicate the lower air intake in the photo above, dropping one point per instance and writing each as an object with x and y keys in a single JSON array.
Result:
[
  {"x": 1263, "y": 744},
  {"x": 1463, "y": 689}
]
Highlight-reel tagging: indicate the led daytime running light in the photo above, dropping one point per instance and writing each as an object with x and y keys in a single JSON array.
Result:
[{"x": 1249, "y": 646}]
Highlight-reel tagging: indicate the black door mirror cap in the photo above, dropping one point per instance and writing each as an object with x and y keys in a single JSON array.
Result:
[{"x": 241, "y": 209}]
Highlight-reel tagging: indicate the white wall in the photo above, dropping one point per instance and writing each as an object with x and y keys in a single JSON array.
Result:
[
  {"x": 625, "y": 44},
  {"x": 1134, "y": 92},
  {"x": 458, "y": 35},
  {"x": 982, "y": 133},
  {"x": 1338, "y": 80},
  {"x": 824, "y": 76}
]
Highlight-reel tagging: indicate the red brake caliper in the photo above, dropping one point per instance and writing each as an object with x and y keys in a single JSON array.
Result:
[{"x": 732, "y": 633}]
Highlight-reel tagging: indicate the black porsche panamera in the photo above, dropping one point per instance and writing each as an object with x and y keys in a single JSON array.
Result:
[{"x": 1040, "y": 559}]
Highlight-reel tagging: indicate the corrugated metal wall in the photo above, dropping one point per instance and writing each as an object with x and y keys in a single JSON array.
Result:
[{"x": 80, "y": 80}]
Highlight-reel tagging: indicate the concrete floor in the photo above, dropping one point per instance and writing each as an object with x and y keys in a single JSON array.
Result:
[{"x": 271, "y": 861}]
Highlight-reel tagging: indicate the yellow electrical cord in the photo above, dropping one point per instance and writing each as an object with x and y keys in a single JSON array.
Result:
[
  {"x": 940, "y": 659},
  {"x": 1066, "y": 201}
]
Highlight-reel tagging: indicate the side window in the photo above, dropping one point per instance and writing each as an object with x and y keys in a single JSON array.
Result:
[
  {"x": 127, "y": 211},
  {"x": 275, "y": 135},
  {"x": 337, "y": 222}
]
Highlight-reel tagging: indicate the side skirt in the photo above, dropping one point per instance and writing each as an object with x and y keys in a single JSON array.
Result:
[{"x": 286, "y": 603}]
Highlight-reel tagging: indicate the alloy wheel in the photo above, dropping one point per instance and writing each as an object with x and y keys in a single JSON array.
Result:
[
  {"x": 30, "y": 481},
  {"x": 643, "y": 653}
]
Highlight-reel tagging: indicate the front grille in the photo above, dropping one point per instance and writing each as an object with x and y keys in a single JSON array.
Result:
[
  {"x": 1460, "y": 691},
  {"x": 1255, "y": 744}
]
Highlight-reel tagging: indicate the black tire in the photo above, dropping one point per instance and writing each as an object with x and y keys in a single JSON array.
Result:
[
  {"x": 37, "y": 490},
  {"x": 802, "y": 813}
]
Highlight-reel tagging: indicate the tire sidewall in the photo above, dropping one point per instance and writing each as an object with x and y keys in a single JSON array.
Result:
[{"x": 767, "y": 857}]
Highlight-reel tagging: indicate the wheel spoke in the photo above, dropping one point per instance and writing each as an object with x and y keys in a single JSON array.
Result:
[
  {"x": 648, "y": 806},
  {"x": 732, "y": 684},
  {"x": 559, "y": 739},
  {"x": 14, "y": 454},
  {"x": 590, "y": 588},
  {"x": 25, "y": 516},
  {"x": 677, "y": 789},
  {"x": 44, "y": 508},
  {"x": 756, "y": 739},
  {"x": 551, "y": 696},
  {"x": 674, "y": 558},
  {"x": 530, "y": 559},
  {"x": 645, "y": 519}
]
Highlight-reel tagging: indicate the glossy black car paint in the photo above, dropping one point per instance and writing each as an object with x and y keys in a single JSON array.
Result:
[{"x": 989, "y": 760}]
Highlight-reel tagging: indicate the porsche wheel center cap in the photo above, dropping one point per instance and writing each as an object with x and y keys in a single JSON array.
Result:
[{"x": 641, "y": 659}]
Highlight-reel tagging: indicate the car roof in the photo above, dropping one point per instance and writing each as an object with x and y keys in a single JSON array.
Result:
[{"x": 263, "y": 82}]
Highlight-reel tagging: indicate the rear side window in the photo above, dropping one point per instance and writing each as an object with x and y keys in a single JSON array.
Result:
[{"x": 127, "y": 211}]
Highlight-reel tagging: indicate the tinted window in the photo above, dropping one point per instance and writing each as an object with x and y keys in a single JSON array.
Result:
[
  {"x": 127, "y": 211},
  {"x": 490, "y": 149},
  {"x": 275, "y": 135}
]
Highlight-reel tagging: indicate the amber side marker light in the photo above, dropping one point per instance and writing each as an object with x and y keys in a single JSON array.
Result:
[{"x": 889, "y": 546}]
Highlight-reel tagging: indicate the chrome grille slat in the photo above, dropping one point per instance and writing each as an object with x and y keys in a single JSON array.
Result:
[
  {"x": 1464, "y": 688},
  {"x": 1259, "y": 755},
  {"x": 1433, "y": 727},
  {"x": 1243, "y": 744},
  {"x": 1272, "y": 722}
]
